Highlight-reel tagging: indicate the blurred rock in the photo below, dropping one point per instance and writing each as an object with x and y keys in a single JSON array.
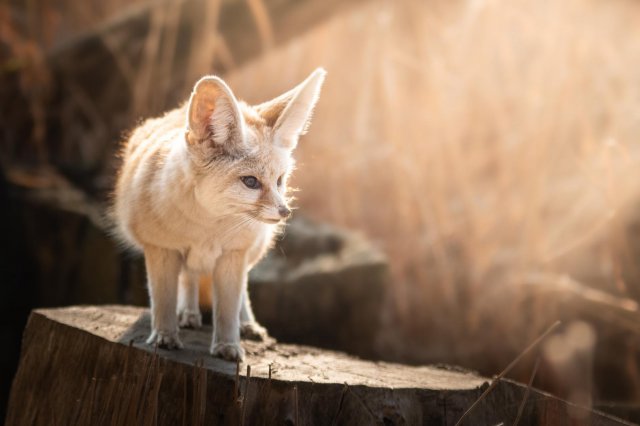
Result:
[
  {"x": 71, "y": 260},
  {"x": 321, "y": 286}
]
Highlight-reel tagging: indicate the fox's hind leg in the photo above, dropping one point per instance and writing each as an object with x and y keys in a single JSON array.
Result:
[
  {"x": 163, "y": 268},
  {"x": 189, "y": 315},
  {"x": 249, "y": 327}
]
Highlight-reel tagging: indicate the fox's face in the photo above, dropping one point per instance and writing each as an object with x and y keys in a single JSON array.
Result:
[
  {"x": 241, "y": 155},
  {"x": 253, "y": 182}
]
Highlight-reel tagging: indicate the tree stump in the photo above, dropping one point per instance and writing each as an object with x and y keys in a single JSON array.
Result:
[{"x": 89, "y": 365}]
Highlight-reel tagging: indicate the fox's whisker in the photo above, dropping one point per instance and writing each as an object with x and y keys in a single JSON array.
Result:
[
  {"x": 230, "y": 214},
  {"x": 230, "y": 232}
]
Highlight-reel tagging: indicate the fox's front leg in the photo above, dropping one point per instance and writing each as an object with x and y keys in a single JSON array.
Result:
[
  {"x": 229, "y": 279},
  {"x": 163, "y": 267}
]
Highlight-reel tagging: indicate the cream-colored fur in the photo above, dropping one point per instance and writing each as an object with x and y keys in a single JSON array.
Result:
[{"x": 184, "y": 197}]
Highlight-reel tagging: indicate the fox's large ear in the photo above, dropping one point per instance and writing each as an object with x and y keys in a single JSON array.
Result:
[
  {"x": 290, "y": 114},
  {"x": 213, "y": 117}
]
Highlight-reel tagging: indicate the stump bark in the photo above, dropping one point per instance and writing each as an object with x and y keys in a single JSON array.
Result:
[{"x": 89, "y": 365}]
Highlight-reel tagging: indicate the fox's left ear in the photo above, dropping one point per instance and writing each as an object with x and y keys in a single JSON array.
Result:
[
  {"x": 213, "y": 116},
  {"x": 290, "y": 114}
]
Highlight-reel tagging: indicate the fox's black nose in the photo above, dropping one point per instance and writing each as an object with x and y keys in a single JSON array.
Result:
[{"x": 284, "y": 212}]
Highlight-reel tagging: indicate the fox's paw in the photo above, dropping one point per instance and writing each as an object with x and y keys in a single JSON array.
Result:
[
  {"x": 253, "y": 331},
  {"x": 166, "y": 340},
  {"x": 228, "y": 351},
  {"x": 188, "y": 318}
]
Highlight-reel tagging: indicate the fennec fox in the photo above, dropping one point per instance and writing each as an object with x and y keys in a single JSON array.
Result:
[{"x": 202, "y": 191}]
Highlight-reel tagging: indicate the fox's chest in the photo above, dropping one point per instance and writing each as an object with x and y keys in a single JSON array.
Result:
[{"x": 202, "y": 255}]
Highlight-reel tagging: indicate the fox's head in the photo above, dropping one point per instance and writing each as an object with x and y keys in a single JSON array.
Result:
[{"x": 241, "y": 155}]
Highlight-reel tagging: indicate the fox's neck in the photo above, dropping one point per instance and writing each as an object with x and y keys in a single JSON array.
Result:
[{"x": 179, "y": 192}]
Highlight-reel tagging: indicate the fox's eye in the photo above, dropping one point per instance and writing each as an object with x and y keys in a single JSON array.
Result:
[
  {"x": 251, "y": 182},
  {"x": 279, "y": 183}
]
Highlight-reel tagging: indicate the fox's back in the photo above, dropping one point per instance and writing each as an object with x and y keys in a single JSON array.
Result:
[
  {"x": 150, "y": 132},
  {"x": 144, "y": 156}
]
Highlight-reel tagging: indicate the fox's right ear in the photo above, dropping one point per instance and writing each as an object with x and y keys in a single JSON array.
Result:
[
  {"x": 289, "y": 114},
  {"x": 213, "y": 116}
]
